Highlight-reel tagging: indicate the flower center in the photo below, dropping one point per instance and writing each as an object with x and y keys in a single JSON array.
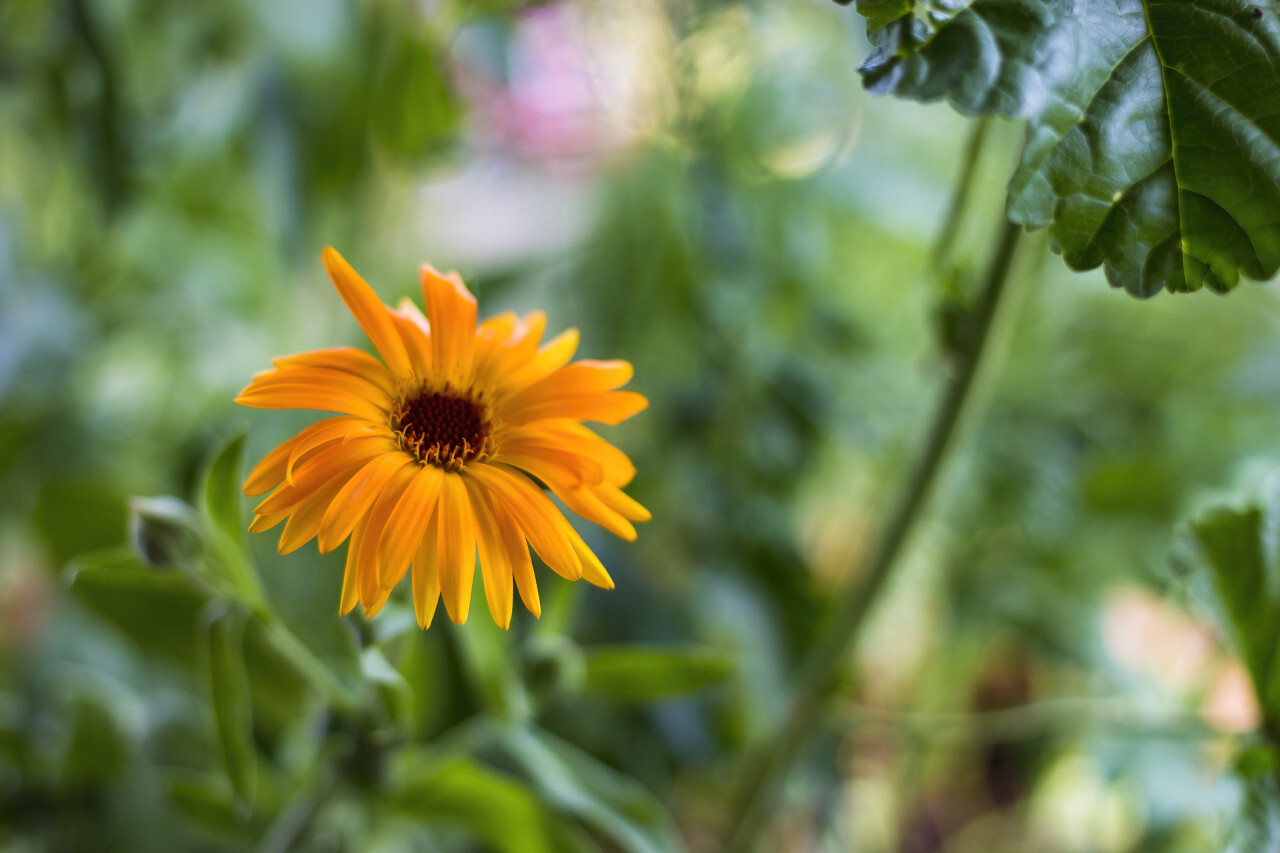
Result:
[{"x": 441, "y": 429}]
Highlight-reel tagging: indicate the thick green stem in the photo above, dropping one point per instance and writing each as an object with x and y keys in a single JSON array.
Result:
[{"x": 751, "y": 807}]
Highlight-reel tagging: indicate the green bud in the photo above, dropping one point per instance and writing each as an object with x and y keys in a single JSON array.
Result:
[{"x": 164, "y": 531}]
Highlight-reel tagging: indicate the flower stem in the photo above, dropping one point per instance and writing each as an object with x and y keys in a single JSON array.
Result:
[
  {"x": 750, "y": 807},
  {"x": 960, "y": 196}
]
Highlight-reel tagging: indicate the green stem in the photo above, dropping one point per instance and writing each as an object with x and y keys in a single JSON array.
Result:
[
  {"x": 961, "y": 195},
  {"x": 750, "y": 807}
]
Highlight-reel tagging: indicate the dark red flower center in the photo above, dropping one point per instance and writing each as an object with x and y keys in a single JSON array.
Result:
[{"x": 440, "y": 429}]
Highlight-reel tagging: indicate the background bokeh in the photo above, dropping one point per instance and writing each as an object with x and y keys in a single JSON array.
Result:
[{"x": 702, "y": 188}]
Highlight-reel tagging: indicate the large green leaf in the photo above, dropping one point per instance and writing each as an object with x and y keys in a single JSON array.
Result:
[{"x": 1153, "y": 144}]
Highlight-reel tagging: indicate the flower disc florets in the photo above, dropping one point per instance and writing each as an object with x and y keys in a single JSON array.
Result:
[{"x": 441, "y": 428}]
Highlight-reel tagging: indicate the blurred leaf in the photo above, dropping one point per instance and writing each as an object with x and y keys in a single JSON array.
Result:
[
  {"x": 74, "y": 518},
  {"x": 208, "y": 801},
  {"x": 495, "y": 808},
  {"x": 1122, "y": 100},
  {"x": 1257, "y": 828},
  {"x": 220, "y": 505},
  {"x": 97, "y": 750},
  {"x": 379, "y": 671},
  {"x": 1236, "y": 553},
  {"x": 652, "y": 672},
  {"x": 491, "y": 667},
  {"x": 281, "y": 694},
  {"x": 232, "y": 705},
  {"x": 603, "y": 798},
  {"x": 164, "y": 531},
  {"x": 157, "y": 610},
  {"x": 220, "y": 497},
  {"x": 413, "y": 110}
]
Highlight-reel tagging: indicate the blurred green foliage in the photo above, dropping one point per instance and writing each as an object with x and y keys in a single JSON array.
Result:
[{"x": 704, "y": 190}]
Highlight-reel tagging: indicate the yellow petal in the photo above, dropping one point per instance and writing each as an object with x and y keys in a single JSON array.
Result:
[
  {"x": 311, "y": 397},
  {"x": 456, "y": 547},
  {"x": 426, "y": 574},
  {"x": 535, "y": 514},
  {"x": 350, "y": 575},
  {"x": 494, "y": 565},
  {"x": 582, "y": 377},
  {"x": 621, "y": 503},
  {"x": 372, "y": 594},
  {"x": 369, "y": 312},
  {"x": 416, "y": 341},
  {"x": 330, "y": 461},
  {"x": 408, "y": 523},
  {"x": 610, "y": 407},
  {"x": 347, "y": 359},
  {"x": 517, "y": 550},
  {"x": 271, "y": 470},
  {"x": 451, "y": 310},
  {"x": 304, "y": 522},
  {"x": 356, "y": 497},
  {"x": 552, "y": 357}
]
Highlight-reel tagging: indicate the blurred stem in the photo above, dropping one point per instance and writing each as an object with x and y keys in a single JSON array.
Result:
[
  {"x": 750, "y": 807},
  {"x": 961, "y": 195},
  {"x": 340, "y": 696}
]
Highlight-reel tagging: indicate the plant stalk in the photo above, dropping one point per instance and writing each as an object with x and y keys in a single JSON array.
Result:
[{"x": 750, "y": 807}]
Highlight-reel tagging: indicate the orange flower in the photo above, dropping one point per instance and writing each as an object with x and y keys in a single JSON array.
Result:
[{"x": 429, "y": 461}]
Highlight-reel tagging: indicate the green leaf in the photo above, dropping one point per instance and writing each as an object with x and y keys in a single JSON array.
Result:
[
  {"x": 609, "y": 802},
  {"x": 157, "y": 610},
  {"x": 391, "y": 683},
  {"x": 208, "y": 801},
  {"x": 1153, "y": 145},
  {"x": 1236, "y": 553},
  {"x": 495, "y": 808},
  {"x": 652, "y": 672},
  {"x": 74, "y": 518},
  {"x": 229, "y": 696},
  {"x": 220, "y": 497},
  {"x": 224, "y": 525},
  {"x": 1257, "y": 827},
  {"x": 413, "y": 111},
  {"x": 881, "y": 13}
]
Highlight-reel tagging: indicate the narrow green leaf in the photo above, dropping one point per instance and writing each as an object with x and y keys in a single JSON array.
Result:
[
  {"x": 220, "y": 500},
  {"x": 609, "y": 802},
  {"x": 493, "y": 807},
  {"x": 652, "y": 672},
  {"x": 229, "y": 696},
  {"x": 1153, "y": 145},
  {"x": 220, "y": 496}
]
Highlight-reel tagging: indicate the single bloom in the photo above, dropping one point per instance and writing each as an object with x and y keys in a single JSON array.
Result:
[{"x": 430, "y": 460}]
